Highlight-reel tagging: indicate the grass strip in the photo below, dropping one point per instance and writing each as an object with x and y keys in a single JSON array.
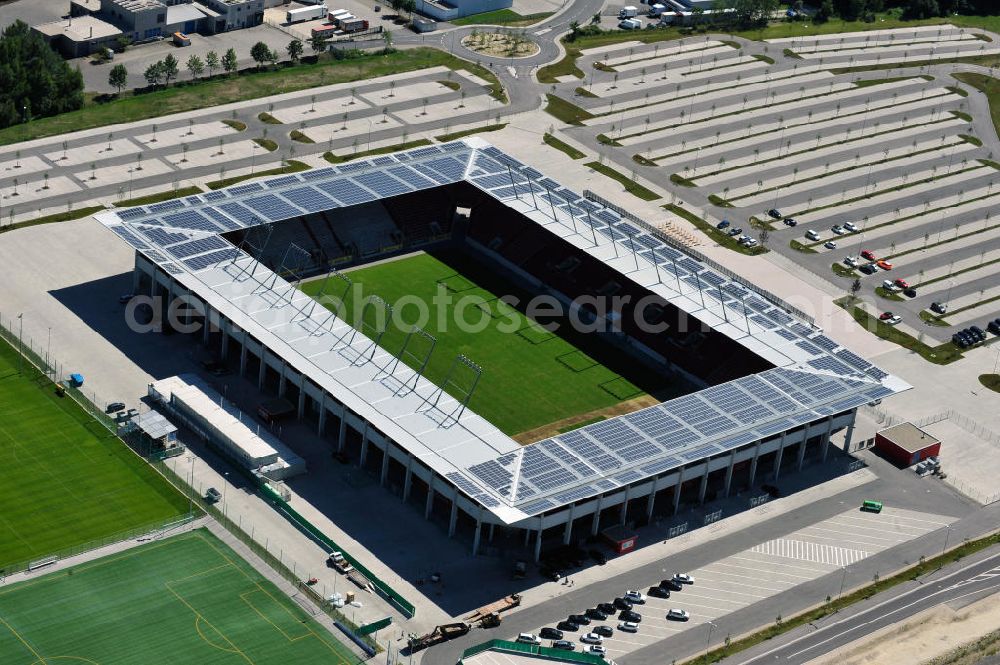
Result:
[
  {"x": 678, "y": 179},
  {"x": 882, "y": 292},
  {"x": 503, "y": 17},
  {"x": 717, "y": 200},
  {"x": 160, "y": 196},
  {"x": 956, "y": 273},
  {"x": 444, "y": 138},
  {"x": 454, "y": 85},
  {"x": 841, "y": 270},
  {"x": 562, "y": 146},
  {"x": 631, "y": 186},
  {"x": 291, "y": 166},
  {"x": 833, "y": 606},
  {"x": 266, "y": 144},
  {"x": 800, "y": 247},
  {"x": 991, "y": 381},
  {"x": 974, "y": 305},
  {"x": 939, "y": 355},
  {"x": 721, "y": 238},
  {"x": 268, "y": 119},
  {"x": 298, "y": 136},
  {"x": 236, "y": 124},
  {"x": 53, "y": 218},
  {"x": 988, "y": 86},
  {"x": 250, "y": 84},
  {"x": 933, "y": 319},
  {"x": 340, "y": 159},
  {"x": 562, "y": 110}
]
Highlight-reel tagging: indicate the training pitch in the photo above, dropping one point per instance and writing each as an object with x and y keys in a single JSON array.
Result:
[
  {"x": 530, "y": 377},
  {"x": 187, "y": 599},
  {"x": 65, "y": 481}
]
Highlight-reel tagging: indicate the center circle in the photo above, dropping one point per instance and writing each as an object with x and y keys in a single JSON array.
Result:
[{"x": 501, "y": 44}]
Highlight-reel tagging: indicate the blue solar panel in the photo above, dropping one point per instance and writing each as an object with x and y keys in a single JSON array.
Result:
[
  {"x": 248, "y": 188},
  {"x": 273, "y": 207},
  {"x": 346, "y": 192},
  {"x": 309, "y": 199},
  {"x": 165, "y": 206},
  {"x": 190, "y": 219},
  {"x": 382, "y": 184},
  {"x": 221, "y": 220},
  {"x": 214, "y": 196},
  {"x": 197, "y": 246},
  {"x": 207, "y": 260},
  {"x": 131, "y": 213},
  {"x": 131, "y": 238},
  {"x": 241, "y": 213},
  {"x": 163, "y": 237}
]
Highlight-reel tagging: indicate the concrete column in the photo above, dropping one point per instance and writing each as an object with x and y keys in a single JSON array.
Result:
[
  {"x": 135, "y": 278},
  {"x": 283, "y": 379},
  {"x": 826, "y": 438},
  {"x": 408, "y": 480},
  {"x": 850, "y": 433},
  {"x": 729, "y": 472},
  {"x": 597, "y": 516},
  {"x": 430, "y": 501},
  {"x": 263, "y": 367},
  {"x": 777, "y": 457},
  {"x": 224, "y": 352},
  {"x": 538, "y": 543},
  {"x": 475, "y": 537},
  {"x": 677, "y": 493},
  {"x": 704, "y": 485},
  {"x": 527, "y": 536},
  {"x": 385, "y": 464},
  {"x": 453, "y": 519},
  {"x": 342, "y": 435},
  {"x": 243, "y": 357},
  {"x": 302, "y": 396},
  {"x": 651, "y": 501},
  {"x": 204, "y": 324},
  {"x": 491, "y": 531},
  {"x": 800, "y": 462},
  {"x": 624, "y": 513},
  {"x": 568, "y": 532},
  {"x": 364, "y": 444},
  {"x": 322, "y": 415},
  {"x": 753, "y": 463}
]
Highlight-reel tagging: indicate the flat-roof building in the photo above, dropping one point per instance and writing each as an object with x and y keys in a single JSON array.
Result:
[
  {"x": 906, "y": 444},
  {"x": 79, "y": 36}
]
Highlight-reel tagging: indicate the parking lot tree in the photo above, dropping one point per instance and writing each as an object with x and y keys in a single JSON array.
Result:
[
  {"x": 118, "y": 77},
  {"x": 122, "y": 42},
  {"x": 170, "y": 68},
  {"x": 212, "y": 62},
  {"x": 294, "y": 50},
  {"x": 229, "y": 61},
  {"x": 34, "y": 80},
  {"x": 260, "y": 53},
  {"x": 855, "y": 287},
  {"x": 154, "y": 73},
  {"x": 195, "y": 66},
  {"x": 753, "y": 12}
]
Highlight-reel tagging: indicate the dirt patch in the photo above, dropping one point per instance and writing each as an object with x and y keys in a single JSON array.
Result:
[
  {"x": 923, "y": 638},
  {"x": 501, "y": 44},
  {"x": 552, "y": 429}
]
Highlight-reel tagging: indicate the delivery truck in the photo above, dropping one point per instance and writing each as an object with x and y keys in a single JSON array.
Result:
[{"x": 305, "y": 14}]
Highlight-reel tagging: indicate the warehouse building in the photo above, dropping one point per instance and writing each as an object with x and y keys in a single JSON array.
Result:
[
  {"x": 447, "y": 10},
  {"x": 784, "y": 389}
]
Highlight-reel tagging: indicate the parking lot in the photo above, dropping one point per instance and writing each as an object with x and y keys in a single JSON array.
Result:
[
  {"x": 733, "y": 128},
  {"x": 767, "y": 569}
]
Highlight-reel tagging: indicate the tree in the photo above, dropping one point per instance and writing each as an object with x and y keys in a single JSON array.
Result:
[
  {"x": 855, "y": 287},
  {"x": 260, "y": 53},
  {"x": 823, "y": 12},
  {"x": 195, "y": 66},
  {"x": 849, "y": 10},
  {"x": 318, "y": 44},
  {"x": 229, "y": 61},
  {"x": 387, "y": 38},
  {"x": 212, "y": 62},
  {"x": 154, "y": 73},
  {"x": 118, "y": 77},
  {"x": 122, "y": 42},
  {"x": 294, "y": 50},
  {"x": 34, "y": 80},
  {"x": 753, "y": 12},
  {"x": 273, "y": 58},
  {"x": 170, "y": 69},
  {"x": 920, "y": 9}
]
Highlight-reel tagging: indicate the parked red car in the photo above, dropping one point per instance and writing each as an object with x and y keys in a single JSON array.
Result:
[
  {"x": 901, "y": 283},
  {"x": 868, "y": 254}
]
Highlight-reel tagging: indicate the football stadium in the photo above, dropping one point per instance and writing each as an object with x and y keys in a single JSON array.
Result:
[{"x": 515, "y": 358}]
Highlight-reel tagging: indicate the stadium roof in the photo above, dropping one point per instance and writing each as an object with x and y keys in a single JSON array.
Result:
[{"x": 813, "y": 376}]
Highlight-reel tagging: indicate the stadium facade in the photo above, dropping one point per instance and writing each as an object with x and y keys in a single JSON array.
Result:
[{"x": 774, "y": 388}]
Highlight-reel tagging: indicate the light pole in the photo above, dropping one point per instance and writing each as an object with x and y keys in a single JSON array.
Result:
[
  {"x": 225, "y": 486},
  {"x": 48, "y": 346},
  {"x": 20, "y": 342},
  {"x": 947, "y": 535},
  {"x": 191, "y": 484},
  {"x": 708, "y": 642},
  {"x": 253, "y": 155},
  {"x": 369, "y": 135},
  {"x": 842, "y": 581}
]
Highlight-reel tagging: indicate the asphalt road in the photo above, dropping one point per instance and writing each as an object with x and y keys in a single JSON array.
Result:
[{"x": 962, "y": 582}]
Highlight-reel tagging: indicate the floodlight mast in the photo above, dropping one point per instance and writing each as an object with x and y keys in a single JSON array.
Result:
[
  {"x": 464, "y": 394},
  {"x": 418, "y": 364}
]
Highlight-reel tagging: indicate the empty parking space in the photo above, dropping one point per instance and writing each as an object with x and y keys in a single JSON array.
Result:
[{"x": 769, "y": 568}]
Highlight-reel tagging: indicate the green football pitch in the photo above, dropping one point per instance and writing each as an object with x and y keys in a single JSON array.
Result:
[
  {"x": 530, "y": 377},
  {"x": 65, "y": 481},
  {"x": 186, "y": 600}
]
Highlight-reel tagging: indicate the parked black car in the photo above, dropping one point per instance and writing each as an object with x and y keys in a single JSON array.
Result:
[
  {"x": 578, "y": 619},
  {"x": 604, "y": 631},
  {"x": 596, "y": 613},
  {"x": 772, "y": 491},
  {"x": 671, "y": 584},
  {"x": 994, "y": 326},
  {"x": 622, "y": 604},
  {"x": 910, "y": 292},
  {"x": 607, "y": 608},
  {"x": 550, "y": 633},
  {"x": 629, "y": 615},
  {"x": 568, "y": 626},
  {"x": 598, "y": 556},
  {"x": 658, "y": 592}
]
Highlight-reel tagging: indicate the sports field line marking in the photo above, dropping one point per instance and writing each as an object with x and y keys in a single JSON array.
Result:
[
  {"x": 199, "y": 617},
  {"x": 197, "y": 626},
  {"x": 23, "y": 641},
  {"x": 333, "y": 648},
  {"x": 278, "y": 628}
]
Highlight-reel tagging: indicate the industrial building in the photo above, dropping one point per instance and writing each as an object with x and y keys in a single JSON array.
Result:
[
  {"x": 776, "y": 390},
  {"x": 446, "y": 10},
  {"x": 906, "y": 444},
  {"x": 96, "y": 24}
]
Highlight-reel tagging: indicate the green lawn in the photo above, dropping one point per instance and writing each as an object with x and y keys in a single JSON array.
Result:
[
  {"x": 530, "y": 377},
  {"x": 505, "y": 17},
  {"x": 65, "y": 481},
  {"x": 187, "y": 599}
]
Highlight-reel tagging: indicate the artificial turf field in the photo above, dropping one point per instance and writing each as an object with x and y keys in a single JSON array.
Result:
[
  {"x": 186, "y": 600},
  {"x": 530, "y": 377},
  {"x": 66, "y": 481}
]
